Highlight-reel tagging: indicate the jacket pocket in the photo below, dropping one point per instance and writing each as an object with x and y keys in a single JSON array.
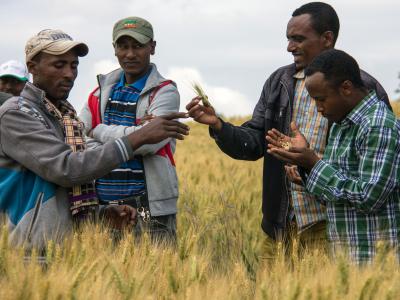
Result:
[{"x": 35, "y": 215}]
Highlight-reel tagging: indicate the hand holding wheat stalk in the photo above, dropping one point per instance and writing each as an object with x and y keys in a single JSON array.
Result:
[{"x": 200, "y": 93}]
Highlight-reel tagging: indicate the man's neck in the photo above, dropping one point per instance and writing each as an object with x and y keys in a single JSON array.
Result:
[
  {"x": 55, "y": 102},
  {"x": 359, "y": 95},
  {"x": 129, "y": 78}
]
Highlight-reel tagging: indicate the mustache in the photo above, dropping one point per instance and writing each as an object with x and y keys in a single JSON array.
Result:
[{"x": 66, "y": 83}]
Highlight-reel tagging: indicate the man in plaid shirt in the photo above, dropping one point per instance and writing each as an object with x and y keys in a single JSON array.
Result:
[{"x": 358, "y": 177}]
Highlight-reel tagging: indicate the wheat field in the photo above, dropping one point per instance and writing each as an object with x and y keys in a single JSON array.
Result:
[{"x": 219, "y": 236}]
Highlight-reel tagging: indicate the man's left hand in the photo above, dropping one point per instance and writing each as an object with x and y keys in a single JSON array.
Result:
[{"x": 120, "y": 216}]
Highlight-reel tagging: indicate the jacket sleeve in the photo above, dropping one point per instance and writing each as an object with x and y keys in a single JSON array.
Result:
[
  {"x": 30, "y": 142},
  {"x": 165, "y": 101},
  {"x": 245, "y": 142}
]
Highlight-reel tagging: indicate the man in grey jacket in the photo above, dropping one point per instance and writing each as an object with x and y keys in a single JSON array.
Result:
[
  {"x": 124, "y": 99},
  {"x": 46, "y": 166}
]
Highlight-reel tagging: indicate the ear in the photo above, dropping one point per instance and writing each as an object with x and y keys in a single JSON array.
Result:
[
  {"x": 153, "y": 47},
  {"x": 346, "y": 88},
  {"x": 328, "y": 39},
  {"x": 115, "y": 48}
]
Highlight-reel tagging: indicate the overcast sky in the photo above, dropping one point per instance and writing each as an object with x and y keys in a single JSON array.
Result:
[{"x": 229, "y": 46}]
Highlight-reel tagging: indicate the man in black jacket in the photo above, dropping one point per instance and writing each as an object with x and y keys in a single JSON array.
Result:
[{"x": 288, "y": 211}]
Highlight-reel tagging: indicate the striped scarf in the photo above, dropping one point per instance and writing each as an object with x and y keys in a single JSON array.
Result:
[{"x": 82, "y": 198}]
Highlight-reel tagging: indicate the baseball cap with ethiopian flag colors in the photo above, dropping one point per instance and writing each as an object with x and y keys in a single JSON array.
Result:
[
  {"x": 135, "y": 27},
  {"x": 53, "y": 41}
]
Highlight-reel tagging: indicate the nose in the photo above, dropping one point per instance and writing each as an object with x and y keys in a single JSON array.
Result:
[
  {"x": 291, "y": 46},
  {"x": 70, "y": 72},
  {"x": 131, "y": 53}
]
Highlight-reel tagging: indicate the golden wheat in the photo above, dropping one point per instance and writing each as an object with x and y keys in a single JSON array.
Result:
[{"x": 216, "y": 256}]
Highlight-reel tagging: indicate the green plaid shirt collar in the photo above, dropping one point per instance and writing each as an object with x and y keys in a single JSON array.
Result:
[{"x": 362, "y": 108}]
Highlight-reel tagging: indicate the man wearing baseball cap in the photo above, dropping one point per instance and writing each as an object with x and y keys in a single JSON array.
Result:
[
  {"x": 46, "y": 167},
  {"x": 13, "y": 76},
  {"x": 123, "y": 101}
]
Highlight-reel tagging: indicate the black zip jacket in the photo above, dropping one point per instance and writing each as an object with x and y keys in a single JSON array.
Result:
[{"x": 247, "y": 142}]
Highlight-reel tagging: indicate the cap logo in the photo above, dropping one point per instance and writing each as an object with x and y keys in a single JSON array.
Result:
[
  {"x": 60, "y": 36},
  {"x": 130, "y": 24}
]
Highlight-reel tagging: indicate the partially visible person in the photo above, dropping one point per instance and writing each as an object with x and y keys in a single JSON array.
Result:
[
  {"x": 46, "y": 166},
  {"x": 358, "y": 178},
  {"x": 13, "y": 76},
  {"x": 124, "y": 99}
]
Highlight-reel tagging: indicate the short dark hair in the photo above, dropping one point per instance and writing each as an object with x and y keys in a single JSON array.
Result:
[
  {"x": 337, "y": 67},
  {"x": 323, "y": 17}
]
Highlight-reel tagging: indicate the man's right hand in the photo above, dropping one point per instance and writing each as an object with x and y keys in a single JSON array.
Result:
[
  {"x": 159, "y": 129},
  {"x": 203, "y": 115}
]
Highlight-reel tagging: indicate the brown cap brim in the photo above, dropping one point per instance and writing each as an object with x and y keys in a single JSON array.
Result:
[{"x": 62, "y": 47}]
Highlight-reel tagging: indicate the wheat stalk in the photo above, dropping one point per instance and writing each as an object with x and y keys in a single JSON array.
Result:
[{"x": 200, "y": 93}]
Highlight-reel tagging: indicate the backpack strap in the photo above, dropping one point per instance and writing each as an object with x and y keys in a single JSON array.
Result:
[
  {"x": 157, "y": 88},
  {"x": 165, "y": 151}
]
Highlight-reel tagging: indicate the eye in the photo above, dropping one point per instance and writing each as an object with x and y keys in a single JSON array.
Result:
[
  {"x": 122, "y": 46},
  {"x": 59, "y": 65}
]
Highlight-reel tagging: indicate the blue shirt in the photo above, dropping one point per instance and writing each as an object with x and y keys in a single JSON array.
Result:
[{"x": 128, "y": 179}]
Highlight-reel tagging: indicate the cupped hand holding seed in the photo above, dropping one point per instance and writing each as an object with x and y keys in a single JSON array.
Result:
[
  {"x": 277, "y": 139},
  {"x": 293, "y": 150}
]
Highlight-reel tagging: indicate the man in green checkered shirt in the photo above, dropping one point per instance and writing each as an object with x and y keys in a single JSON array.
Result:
[{"x": 358, "y": 177}]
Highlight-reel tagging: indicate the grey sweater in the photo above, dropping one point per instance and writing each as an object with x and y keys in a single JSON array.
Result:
[{"x": 37, "y": 166}]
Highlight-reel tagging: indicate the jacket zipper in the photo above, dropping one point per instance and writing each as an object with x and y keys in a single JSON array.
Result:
[
  {"x": 144, "y": 171},
  {"x": 99, "y": 108},
  {"x": 287, "y": 128}
]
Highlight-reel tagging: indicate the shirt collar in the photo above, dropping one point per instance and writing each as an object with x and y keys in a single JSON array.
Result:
[
  {"x": 138, "y": 84},
  {"x": 299, "y": 75},
  {"x": 361, "y": 109}
]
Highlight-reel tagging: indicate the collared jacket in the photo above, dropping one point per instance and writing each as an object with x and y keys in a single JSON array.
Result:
[
  {"x": 247, "y": 142},
  {"x": 37, "y": 167},
  {"x": 159, "y": 167}
]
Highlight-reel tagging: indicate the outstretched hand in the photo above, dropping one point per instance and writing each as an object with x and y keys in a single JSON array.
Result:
[
  {"x": 293, "y": 150},
  {"x": 203, "y": 114},
  {"x": 159, "y": 129}
]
